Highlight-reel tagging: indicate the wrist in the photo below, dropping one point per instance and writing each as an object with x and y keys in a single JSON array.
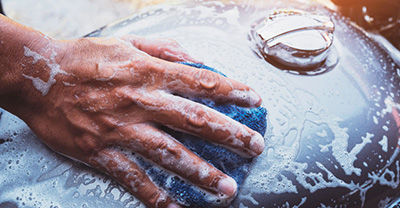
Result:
[{"x": 20, "y": 50}]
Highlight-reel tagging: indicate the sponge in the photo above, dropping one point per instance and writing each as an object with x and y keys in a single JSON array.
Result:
[{"x": 225, "y": 160}]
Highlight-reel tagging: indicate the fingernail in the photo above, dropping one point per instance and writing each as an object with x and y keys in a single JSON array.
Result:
[
  {"x": 173, "y": 205},
  {"x": 257, "y": 144},
  {"x": 250, "y": 97},
  {"x": 254, "y": 98},
  {"x": 227, "y": 186}
]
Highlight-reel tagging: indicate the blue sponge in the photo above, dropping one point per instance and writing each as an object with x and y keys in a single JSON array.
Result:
[{"x": 227, "y": 161}]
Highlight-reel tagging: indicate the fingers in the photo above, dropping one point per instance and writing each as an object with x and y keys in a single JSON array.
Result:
[
  {"x": 189, "y": 81},
  {"x": 165, "y": 151},
  {"x": 185, "y": 115},
  {"x": 165, "y": 49},
  {"x": 209, "y": 124},
  {"x": 201, "y": 83},
  {"x": 128, "y": 174}
]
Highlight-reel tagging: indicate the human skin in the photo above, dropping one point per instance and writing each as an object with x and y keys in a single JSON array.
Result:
[{"x": 85, "y": 97}]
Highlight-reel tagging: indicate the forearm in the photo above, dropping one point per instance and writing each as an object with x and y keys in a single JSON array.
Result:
[{"x": 15, "y": 40}]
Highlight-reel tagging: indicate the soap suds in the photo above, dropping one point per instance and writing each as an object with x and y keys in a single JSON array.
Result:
[
  {"x": 68, "y": 84},
  {"x": 384, "y": 143},
  {"x": 181, "y": 106},
  {"x": 55, "y": 69}
]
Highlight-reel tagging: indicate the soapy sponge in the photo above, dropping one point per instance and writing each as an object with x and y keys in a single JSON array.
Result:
[{"x": 225, "y": 160}]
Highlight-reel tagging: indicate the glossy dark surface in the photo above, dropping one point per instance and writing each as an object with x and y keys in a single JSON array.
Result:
[
  {"x": 332, "y": 138},
  {"x": 1, "y": 9}
]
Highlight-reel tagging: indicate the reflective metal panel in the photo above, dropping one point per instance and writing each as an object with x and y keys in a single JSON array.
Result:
[{"x": 333, "y": 138}]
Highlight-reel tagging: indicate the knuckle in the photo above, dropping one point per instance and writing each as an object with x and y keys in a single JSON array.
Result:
[
  {"x": 138, "y": 62},
  {"x": 104, "y": 72},
  {"x": 134, "y": 178},
  {"x": 197, "y": 116},
  {"x": 163, "y": 152},
  {"x": 87, "y": 145},
  {"x": 108, "y": 123},
  {"x": 158, "y": 199},
  {"x": 125, "y": 171},
  {"x": 207, "y": 80},
  {"x": 160, "y": 145},
  {"x": 128, "y": 97}
]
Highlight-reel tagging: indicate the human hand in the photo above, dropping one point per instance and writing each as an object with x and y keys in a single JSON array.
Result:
[{"x": 85, "y": 97}]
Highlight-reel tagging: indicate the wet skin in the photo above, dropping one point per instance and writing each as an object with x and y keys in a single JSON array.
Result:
[{"x": 85, "y": 97}]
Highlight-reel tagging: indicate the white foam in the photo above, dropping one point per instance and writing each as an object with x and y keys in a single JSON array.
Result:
[
  {"x": 181, "y": 105},
  {"x": 104, "y": 160},
  {"x": 181, "y": 159},
  {"x": 394, "y": 176},
  {"x": 384, "y": 143},
  {"x": 283, "y": 97},
  {"x": 54, "y": 68},
  {"x": 385, "y": 128},
  {"x": 218, "y": 199},
  {"x": 288, "y": 102},
  {"x": 68, "y": 84},
  {"x": 384, "y": 202},
  {"x": 347, "y": 159},
  {"x": 41, "y": 178},
  {"x": 322, "y": 134}
]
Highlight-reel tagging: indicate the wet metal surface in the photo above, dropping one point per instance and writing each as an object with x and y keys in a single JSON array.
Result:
[{"x": 333, "y": 138}]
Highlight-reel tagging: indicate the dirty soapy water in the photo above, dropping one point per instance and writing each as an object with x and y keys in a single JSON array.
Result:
[{"x": 326, "y": 133}]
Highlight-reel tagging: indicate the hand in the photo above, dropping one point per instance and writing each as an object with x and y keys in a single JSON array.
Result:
[{"x": 85, "y": 97}]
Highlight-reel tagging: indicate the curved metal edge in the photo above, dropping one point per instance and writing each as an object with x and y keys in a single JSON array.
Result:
[{"x": 1, "y": 9}]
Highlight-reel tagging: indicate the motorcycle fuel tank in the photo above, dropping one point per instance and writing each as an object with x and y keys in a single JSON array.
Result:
[{"x": 332, "y": 95}]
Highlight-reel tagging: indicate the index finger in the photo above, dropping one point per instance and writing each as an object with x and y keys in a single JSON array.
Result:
[
  {"x": 201, "y": 83},
  {"x": 165, "y": 49}
]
